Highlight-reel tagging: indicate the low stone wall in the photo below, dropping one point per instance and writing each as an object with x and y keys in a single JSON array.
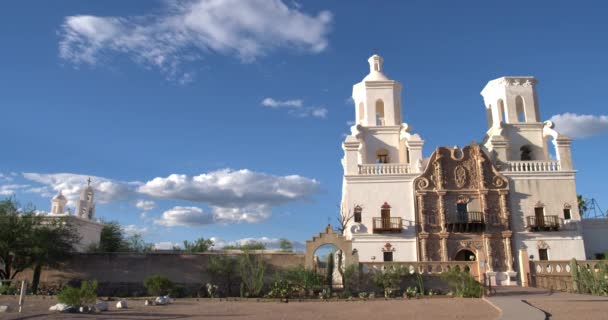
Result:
[
  {"x": 556, "y": 275},
  {"x": 121, "y": 274}
]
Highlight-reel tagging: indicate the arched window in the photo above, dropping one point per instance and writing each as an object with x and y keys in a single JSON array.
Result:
[
  {"x": 361, "y": 112},
  {"x": 519, "y": 108},
  {"x": 501, "y": 111},
  {"x": 567, "y": 213},
  {"x": 526, "y": 153},
  {"x": 382, "y": 156},
  {"x": 379, "y": 112},
  {"x": 489, "y": 116},
  {"x": 385, "y": 211},
  {"x": 357, "y": 214}
]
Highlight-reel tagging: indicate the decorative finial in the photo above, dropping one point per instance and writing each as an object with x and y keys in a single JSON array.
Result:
[{"x": 89, "y": 181}]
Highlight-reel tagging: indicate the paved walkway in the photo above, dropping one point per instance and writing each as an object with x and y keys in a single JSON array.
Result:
[{"x": 513, "y": 302}]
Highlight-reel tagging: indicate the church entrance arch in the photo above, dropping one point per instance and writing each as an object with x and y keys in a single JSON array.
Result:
[
  {"x": 329, "y": 241},
  {"x": 465, "y": 255}
]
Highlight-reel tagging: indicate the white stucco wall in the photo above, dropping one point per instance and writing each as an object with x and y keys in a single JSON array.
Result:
[
  {"x": 553, "y": 190},
  {"x": 370, "y": 248},
  {"x": 595, "y": 233}
]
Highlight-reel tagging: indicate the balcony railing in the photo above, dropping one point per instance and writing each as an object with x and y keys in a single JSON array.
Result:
[
  {"x": 546, "y": 223},
  {"x": 387, "y": 225},
  {"x": 533, "y": 166},
  {"x": 383, "y": 168},
  {"x": 470, "y": 221}
]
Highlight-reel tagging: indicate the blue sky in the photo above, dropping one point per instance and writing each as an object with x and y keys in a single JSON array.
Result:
[{"x": 226, "y": 117}]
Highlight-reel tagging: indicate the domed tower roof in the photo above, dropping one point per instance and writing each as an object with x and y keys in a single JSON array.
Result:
[
  {"x": 375, "y": 69},
  {"x": 60, "y": 196}
]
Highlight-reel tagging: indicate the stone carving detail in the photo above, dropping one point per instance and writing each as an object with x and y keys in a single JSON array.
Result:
[
  {"x": 542, "y": 245},
  {"x": 457, "y": 176},
  {"x": 388, "y": 247},
  {"x": 423, "y": 183},
  {"x": 460, "y": 176},
  {"x": 498, "y": 182},
  {"x": 471, "y": 244}
]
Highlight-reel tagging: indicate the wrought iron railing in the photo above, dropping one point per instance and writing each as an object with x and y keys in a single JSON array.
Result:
[
  {"x": 387, "y": 225},
  {"x": 465, "y": 217},
  {"x": 544, "y": 223}
]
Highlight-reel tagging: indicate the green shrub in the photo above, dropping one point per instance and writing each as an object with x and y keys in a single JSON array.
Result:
[
  {"x": 283, "y": 289},
  {"x": 158, "y": 285},
  {"x": 303, "y": 280},
  {"x": 252, "y": 270},
  {"x": 589, "y": 280},
  {"x": 86, "y": 295},
  {"x": 7, "y": 289},
  {"x": 463, "y": 284},
  {"x": 177, "y": 291}
]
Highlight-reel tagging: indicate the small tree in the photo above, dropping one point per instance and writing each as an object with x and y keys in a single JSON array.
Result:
[
  {"x": 343, "y": 218},
  {"x": 252, "y": 270},
  {"x": 16, "y": 238},
  {"x": 285, "y": 245},
  {"x": 582, "y": 204},
  {"x": 53, "y": 242},
  {"x": 223, "y": 271},
  {"x": 199, "y": 245},
  {"x": 158, "y": 285},
  {"x": 86, "y": 295},
  {"x": 251, "y": 245},
  {"x": 111, "y": 238},
  {"x": 329, "y": 276}
]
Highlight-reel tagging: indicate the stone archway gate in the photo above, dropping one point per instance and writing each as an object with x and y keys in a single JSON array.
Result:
[{"x": 330, "y": 237}]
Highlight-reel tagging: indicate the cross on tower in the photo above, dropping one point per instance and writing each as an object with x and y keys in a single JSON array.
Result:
[{"x": 89, "y": 181}]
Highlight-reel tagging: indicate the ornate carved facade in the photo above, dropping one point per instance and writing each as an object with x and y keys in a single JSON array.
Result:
[{"x": 462, "y": 209}]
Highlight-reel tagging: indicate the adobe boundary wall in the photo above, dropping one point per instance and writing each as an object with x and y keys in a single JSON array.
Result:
[{"x": 124, "y": 273}]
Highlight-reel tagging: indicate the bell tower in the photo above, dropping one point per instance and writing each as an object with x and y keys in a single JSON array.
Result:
[
  {"x": 58, "y": 203},
  {"x": 377, "y": 98},
  {"x": 86, "y": 204}
]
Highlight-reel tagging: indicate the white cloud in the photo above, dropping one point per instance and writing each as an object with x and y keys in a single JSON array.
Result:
[
  {"x": 10, "y": 189},
  {"x": 580, "y": 125},
  {"x": 231, "y": 188},
  {"x": 185, "y": 216},
  {"x": 133, "y": 230},
  {"x": 270, "y": 102},
  {"x": 70, "y": 184},
  {"x": 296, "y": 107},
  {"x": 6, "y": 178},
  {"x": 185, "y": 31},
  {"x": 145, "y": 205},
  {"x": 232, "y": 195}
]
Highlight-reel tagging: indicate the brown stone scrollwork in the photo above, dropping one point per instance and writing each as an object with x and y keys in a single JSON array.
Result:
[
  {"x": 423, "y": 183},
  {"x": 498, "y": 182},
  {"x": 460, "y": 176}
]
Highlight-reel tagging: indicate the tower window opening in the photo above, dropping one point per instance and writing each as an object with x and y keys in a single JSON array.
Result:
[
  {"x": 501, "y": 111},
  {"x": 379, "y": 112},
  {"x": 567, "y": 214},
  {"x": 526, "y": 153},
  {"x": 357, "y": 214},
  {"x": 519, "y": 108},
  {"x": 376, "y": 67},
  {"x": 382, "y": 156}
]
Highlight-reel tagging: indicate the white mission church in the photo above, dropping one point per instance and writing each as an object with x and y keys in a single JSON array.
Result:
[{"x": 480, "y": 202}]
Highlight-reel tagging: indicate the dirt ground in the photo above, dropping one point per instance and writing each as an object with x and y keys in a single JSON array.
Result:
[
  {"x": 436, "y": 308},
  {"x": 579, "y": 309}
]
